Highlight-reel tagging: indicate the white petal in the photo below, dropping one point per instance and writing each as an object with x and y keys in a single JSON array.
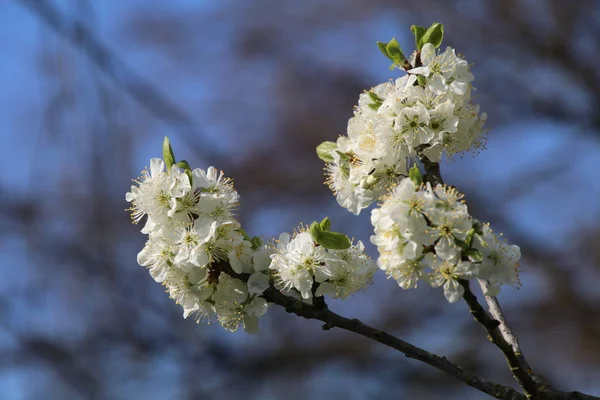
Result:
[{"x": 258, "y": 283}]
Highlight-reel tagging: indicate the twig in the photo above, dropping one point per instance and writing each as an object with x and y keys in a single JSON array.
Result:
[
  {"x": 491, "y": 326},
  {"x": 496, "y": 311},
  {"x": 503, "y": 337}
]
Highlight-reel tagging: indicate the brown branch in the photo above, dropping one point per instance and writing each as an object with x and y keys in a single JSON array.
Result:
[
  {"x": 491, "y": 326},
  {"x": 499, "y": 333},
  {"x": 322, "y": 313}
]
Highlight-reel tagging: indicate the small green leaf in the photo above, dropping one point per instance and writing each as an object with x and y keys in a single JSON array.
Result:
[
  {"x": 168, "y": 155},
  {"x": 256, "y": 243},
  {"x": 434, "y": 34},
  {"x": 421, "y": 80},
  {"x": 382, "y": 47},
  {"x": 475, "y": 255},
  {"x": 418, "y": 31},
  {"x": 375, "y": 97},
  {"x": 415, "y": 176},
  {"x": 395, "y": 53},
  {"x": 244, "y": 234},
  {"x": 460, "y": 243},
  {"x": 324, "y": 151},
  {"x": 325, "y": 225},
  {"x": 343, "y": 156},
  {"x": 334, "y": 240},
  {"x": 315, "y": 231},
  {"x": 470, "y": 236},
  {"x": 186, "y": 167},
  {"x": 327, "y": 239},
  {"x": 477, "y": 226},
  {"x": 377, "y": 101}
]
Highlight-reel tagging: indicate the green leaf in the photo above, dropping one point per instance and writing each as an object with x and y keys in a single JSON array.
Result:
[
  {"x": 334, "y": 240},
  {"x": 415, "y": 176},
  {"x": 329, "y": 240},
  {"x": 477, "y": 226},
  {"x": 434, "y": 34},
  {"x": 325, "y": 225},
  {"x": 460, "y": 243},
  {"x": 324, "y": 151},
  {"x": 421, "y": 80},
  {"x": 395, "y": 53},
  {"x": 377, "y": 101},
  {"x": 168, "y": 155},
  {"x": 256, "y": 243},
  {"x": 315, "y": 231},
  {"x": 375, "y": 97},
  {"x": 343, "y": 156},
  {"x": 470, "y": 236},
  {"x": 475, "y": 255},
  {"x": 382, "y": 47},
  {"x": 244, "y": 234},
  {"x": 186, "y": 167},
  {"x": 418, "y": 31}
]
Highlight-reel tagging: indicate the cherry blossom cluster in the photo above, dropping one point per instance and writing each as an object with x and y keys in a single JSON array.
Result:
[
  {"x": 191, "y": 228},
  {"x": 426, "y": 113},
  {"x": 303, "y": 266},
  {"x": 198, "y": 251},
  {"x": 426, "y": 233}
]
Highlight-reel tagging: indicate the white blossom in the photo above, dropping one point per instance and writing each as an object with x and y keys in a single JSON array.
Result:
[
  {"x": 395, "y": 122},
  {"x": 425, "y": 233}
]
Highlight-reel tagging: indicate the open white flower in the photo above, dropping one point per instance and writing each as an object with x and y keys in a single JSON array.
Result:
[
  {"x": 443, "y": 72},
  {"x": 447, "y": 272}
]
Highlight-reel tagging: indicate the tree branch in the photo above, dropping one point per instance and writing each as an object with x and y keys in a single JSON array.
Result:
[
  {"x": 491, "y": 325},
  {"x": 499, "y": 333},
  {"x": 322, "y": 313}
]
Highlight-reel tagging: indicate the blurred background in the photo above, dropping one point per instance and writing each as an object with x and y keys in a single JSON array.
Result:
[{"x": 90, "y": 88}]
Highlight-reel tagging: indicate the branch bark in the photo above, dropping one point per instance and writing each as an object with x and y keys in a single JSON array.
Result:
[
  {"x": 319, "y": 311},
  {"x": 499, "y": 333}
]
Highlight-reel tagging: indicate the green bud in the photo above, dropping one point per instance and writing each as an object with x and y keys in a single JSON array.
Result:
[
  {"x": 415, "y": 176},
  {"x": 168, "y": 155},
  {"x": 434, "y": 34},
  {"x": 421, "y": 80},
  {"x": 395, "y": 53},
  {"x": 418, "y": 31},
  {"x": 325, "y": 225},
  {"x": 256, "y": 243},
  {"x": 324, "y": 151},
  {"x": 333, "y": 240}
]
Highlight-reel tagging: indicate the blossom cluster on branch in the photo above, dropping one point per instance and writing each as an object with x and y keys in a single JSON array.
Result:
[
  {"x": 191, "y": 228},
  {"x": 423, "y": 231},
  {"x": 426, "y": 233},
  {"x": 427, "y": 112}
]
